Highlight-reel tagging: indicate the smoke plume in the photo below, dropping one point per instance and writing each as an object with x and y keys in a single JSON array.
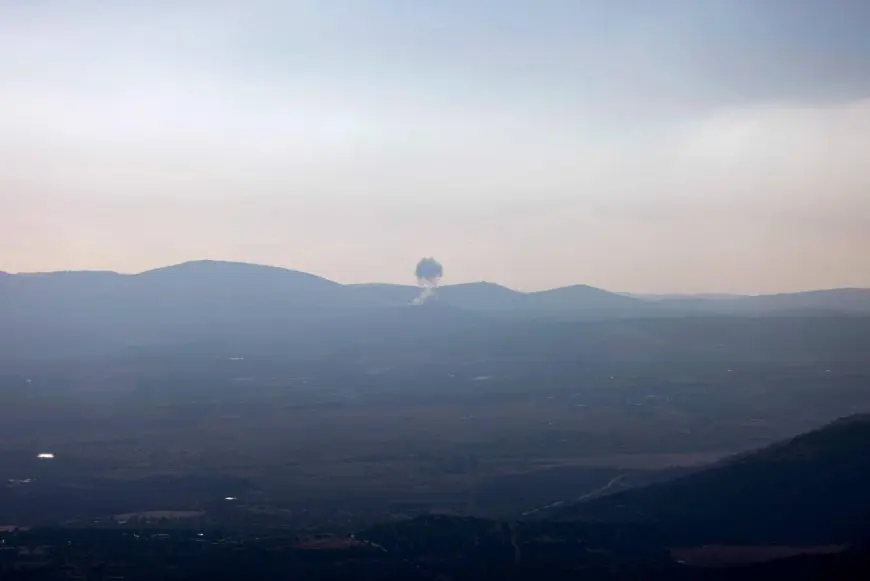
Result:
[{"x": 429, "y": 272}]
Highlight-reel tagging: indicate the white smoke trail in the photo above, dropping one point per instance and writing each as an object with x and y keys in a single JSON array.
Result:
[{"x": 426, "y": 294}]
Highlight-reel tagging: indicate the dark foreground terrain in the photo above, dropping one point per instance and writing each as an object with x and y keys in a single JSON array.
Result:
[
  {"x": 760, "y": 518},
  {"x": 557, "y": 553},
  {"x": 794, "y": 510},
  {"x": 349, "y": 441}
]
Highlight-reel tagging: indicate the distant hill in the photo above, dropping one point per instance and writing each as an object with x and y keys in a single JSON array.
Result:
[
  {"x": 589, "y": 299},
  {"x": 483, "y": 295},
  {"x": 833, "y": 300},
  {"x": 579, "y": 300},
  {"x": 477, "y": 295},
  {"x": 845, "y": 299},
  {"x": 73, "y": 313},
  {"x": 212, "y": 281},
  {"x": 232, "y": 285},
  {"x": 813, "y": 489},
  {"x": 236, "y": 276},
  {"x": 210, "y": 303},
  {"x": 384, "y": 294},
  {"x": 682, "y": 296}
]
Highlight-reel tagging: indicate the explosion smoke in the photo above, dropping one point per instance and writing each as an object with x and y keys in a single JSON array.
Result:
[{"x": 429, "y": 272}]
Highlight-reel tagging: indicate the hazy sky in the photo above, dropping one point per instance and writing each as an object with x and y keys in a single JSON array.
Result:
[{"x": 668, "y": 145}]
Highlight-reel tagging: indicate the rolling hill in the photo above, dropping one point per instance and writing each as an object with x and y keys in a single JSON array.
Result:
[
  {"x": 226, "y": 305},
  {"x": 216, "y": 282},
  {"x": 574, "y": 301},
  {"x": 385, "y": 295},
  {"x": 590, "y": 300},
  {"x": 477, "y": 295},
  {"x": 483, "y": 295}
]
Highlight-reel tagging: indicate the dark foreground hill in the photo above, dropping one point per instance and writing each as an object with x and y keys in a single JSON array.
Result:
[
  {"x": 814, "y": 489},
  {"x": 810, "y": 494}
]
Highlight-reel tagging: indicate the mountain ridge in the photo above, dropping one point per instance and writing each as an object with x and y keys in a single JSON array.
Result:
[
  {"x": 200, "y": 301},
  {"x": 210, "y": 266}
]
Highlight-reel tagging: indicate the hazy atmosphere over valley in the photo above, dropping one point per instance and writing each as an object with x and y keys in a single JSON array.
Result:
[{"x": 435, "y": 290}]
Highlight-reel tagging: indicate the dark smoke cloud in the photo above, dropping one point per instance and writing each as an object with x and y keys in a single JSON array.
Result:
[{"x": 429, "y": 271}]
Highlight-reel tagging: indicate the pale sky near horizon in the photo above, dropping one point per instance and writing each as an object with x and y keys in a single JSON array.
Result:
[{"x": 667, "y": 146}]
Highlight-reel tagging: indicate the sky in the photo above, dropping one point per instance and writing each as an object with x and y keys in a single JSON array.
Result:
[{"x": 668, "y": 146}]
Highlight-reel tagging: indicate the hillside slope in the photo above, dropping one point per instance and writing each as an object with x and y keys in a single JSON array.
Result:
[{"x": 813, "y": 489}]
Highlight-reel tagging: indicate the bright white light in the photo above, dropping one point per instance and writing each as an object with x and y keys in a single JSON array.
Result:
[
  {"x": 228, "y": 498},
  {"x": 45, "y": 456}
]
